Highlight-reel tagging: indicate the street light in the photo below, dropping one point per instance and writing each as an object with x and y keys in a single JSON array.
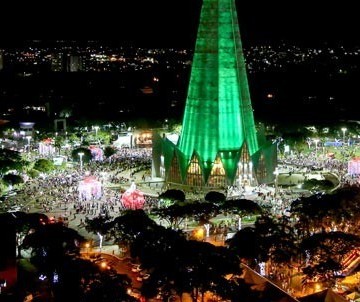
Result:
[
  {"x": 343, "y": 130},
  {"x": 276, "y": 173},
  {"x": 28, "y": 139},
  {"x": 316, "y": 140},
  {"x": 87, "y": 246},
  {"x": 103, "y": 265},
  {"x": 96, "y": 130},
  {"x": 81, "y": 154}
]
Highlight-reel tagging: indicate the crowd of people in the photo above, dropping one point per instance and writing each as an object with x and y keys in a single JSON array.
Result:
[{"x": 58, "y": 192}]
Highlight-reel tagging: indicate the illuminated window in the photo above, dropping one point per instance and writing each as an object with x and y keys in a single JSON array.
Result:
[
  {"x": 174, "y": 172},
  {"x": 194, "y": 174},
  {"x": 217, "y": 176},
  {"x": 244, "y": 171}
]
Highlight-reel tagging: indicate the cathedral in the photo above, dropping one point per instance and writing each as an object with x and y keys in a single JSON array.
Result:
[{"x": 219, "y": 145}]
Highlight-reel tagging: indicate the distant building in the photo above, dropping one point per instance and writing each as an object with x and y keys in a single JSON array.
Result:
[
  {"x": 57, "y": 62},
  {"x": 65, "y": 62},
  {"x": 74, "y": 63}
]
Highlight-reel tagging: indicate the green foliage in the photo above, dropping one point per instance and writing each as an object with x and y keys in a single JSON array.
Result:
[
  {"x": 44, "y": 165},
  {"x": 215, "y": 197},
  {"x": 7, "y": 165},
  {"x": 33, "y": 173},
  {"x": 176, "y": 264},
  {"x": 3, "y": 187},
  {"x": 241, "y": 207},
  {"x": 176, "y": 128},
  {"x": 10, "y": 155},
  {"x": 176, "y": 213},
  {"x": 173, "y": 195}
]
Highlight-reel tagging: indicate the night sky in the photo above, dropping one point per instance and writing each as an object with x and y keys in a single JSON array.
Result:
[{"x": 147, "y": 22}]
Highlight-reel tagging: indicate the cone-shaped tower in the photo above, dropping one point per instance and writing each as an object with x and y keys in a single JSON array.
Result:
[
  {"x": 218, "y": 113},
  {"x": 218, "y": 139}
]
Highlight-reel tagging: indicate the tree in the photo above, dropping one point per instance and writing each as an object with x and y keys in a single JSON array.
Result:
[
  {"x": 128, "y": 226},
  {"x": 10, "y": 155},
  {"x": 103, "y": 286},
  {"x": 98, "y": 224},
  {"x": 7, "y": 165},
  {"x": 44, "y": 165},
  {"x": 176, "y": 213},
  {"x": 325, "y": 211},
  {"x": 207, "y": 265},
  {"x": 323, "y": 253},
  {"x": 173, "y": 214},
  {"x": 12, "y": 179},
  {"x": 50, "y": 244},
  {"x": 108, "y": 151},
  {"x": 26, "y": 222},
  {"x": 202, "y": 212},
  {"x": 240, "y": 208},
  {"x": 215, "y": 197},
  {"x": 178, "y": 266},
  {"x": 173, "y": 195},
  {"x": 246, "y": 243},
  {"x": 270, "y": 239}
]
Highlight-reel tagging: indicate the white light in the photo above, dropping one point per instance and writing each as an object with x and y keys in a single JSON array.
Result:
[{"x": 81, "y": 154}]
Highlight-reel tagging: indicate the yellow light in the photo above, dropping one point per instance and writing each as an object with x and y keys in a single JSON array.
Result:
[
  {"x": 103, "y": 264},
  {"x": 199, "y": 234},
  {"x": 87, "y": 245}
]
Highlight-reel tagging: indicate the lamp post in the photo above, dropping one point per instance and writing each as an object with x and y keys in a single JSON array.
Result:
[
  {"x": 81, "y": 154},
  {"x": 316, "y": 140},
  {"x": 276, "y": 173},
  {"x": 96, "y": 131},
  {"x": 343, "y": 130},
  {"x": 28, "y": 139},
  {"x": 87, "y": 246}
]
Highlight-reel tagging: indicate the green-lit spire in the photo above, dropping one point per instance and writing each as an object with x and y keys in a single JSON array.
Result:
[
  {"x": 218, "y": 144},
  {"x": 218, "y": 113}
]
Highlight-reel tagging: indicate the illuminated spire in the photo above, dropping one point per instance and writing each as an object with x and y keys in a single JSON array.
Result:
[
  {"x": 218, "y": 145},
  {"x": 218, "y": 113}
]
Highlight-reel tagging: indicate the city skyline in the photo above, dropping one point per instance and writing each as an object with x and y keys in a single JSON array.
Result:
[{"x": 174, "y": 23}]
